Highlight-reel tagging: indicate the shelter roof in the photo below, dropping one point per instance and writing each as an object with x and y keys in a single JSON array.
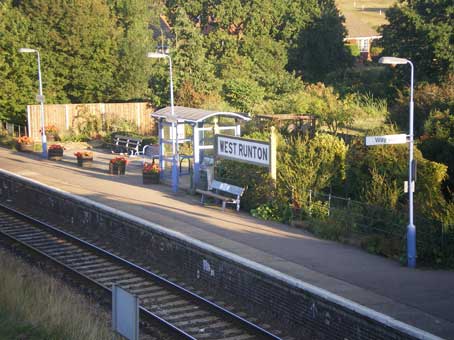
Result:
[
  {"x": 286, "y": 117},
  {"x": 192, "y": 115}
]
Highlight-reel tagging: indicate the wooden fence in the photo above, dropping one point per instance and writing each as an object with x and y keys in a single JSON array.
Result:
[{"x": 75, "y": 116}]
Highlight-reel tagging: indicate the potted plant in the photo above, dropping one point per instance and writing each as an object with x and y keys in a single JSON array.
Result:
[
  {"x": 151, "y": 173},
  {"x": 51, "y": 132},
  {"x": 25, "y": 144},
  {"x": 84, "y": 158},
  {"x": 55, "y": 152},
  {"x": 117, "y": 166}
]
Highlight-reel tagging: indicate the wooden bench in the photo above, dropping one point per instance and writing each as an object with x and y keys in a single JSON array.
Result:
[
  {"x": 218, "y": 191},
  {"x": 125, "y": 144}
]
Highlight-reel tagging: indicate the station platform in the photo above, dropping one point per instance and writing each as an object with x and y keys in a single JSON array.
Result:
[{"x": 419, "y": 297}]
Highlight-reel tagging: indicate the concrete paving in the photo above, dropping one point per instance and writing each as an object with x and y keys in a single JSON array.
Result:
[{"x": 422, "y": 298}]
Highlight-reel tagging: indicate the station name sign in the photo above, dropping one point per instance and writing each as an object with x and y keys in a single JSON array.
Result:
[
  {"x": 243, "y": 150},
  {"x": 387, "y": 139}
]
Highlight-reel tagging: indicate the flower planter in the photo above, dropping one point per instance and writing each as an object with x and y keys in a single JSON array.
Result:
[
  {"x": 150, "y": 178},
  {"x": 117, "y": 169},
  {"x": 50, "y": 138},
  {"x": 25, "y": 147},
  {"x": 55, "y": 154},
  {"x": 85, "y": 162}
]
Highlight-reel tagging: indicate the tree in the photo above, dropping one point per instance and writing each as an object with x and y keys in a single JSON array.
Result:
[
  {"x": 321, "y": 48},
  {"x": 134, "y": 41},
  {"x": 422, "y": 31},
  {"x": 18, "y": 74},
  {"x": 78, "y": 44}
]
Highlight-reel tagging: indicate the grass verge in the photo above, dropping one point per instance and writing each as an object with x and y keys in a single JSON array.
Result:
[{"x": 34, "y": 306}]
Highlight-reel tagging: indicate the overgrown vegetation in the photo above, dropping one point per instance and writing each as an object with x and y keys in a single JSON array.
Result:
[{"x": 34, "y": 306}]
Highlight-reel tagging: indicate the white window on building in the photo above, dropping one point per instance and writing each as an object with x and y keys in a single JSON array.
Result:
[{"x": 363, "y": 45}]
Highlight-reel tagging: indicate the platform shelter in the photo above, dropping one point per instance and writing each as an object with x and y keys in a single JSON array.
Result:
[{"x": 197, "y": 128}]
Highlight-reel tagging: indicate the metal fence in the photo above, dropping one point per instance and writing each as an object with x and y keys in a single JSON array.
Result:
[
  {"x": 15, "y": 130},
  {"x": 434, "y": 239}
]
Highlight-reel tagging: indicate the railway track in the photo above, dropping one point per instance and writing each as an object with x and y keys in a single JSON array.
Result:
[{"x": 184, "y": 313}]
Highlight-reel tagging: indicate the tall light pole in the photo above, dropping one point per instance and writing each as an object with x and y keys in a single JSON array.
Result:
[
  {"x": 411, "y": 229},
  {"x": 156, "y": 55},
  {"x": 40, "y": 98}
]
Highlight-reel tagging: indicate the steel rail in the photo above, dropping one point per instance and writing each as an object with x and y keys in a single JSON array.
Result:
[{"x": 144, "y": 272}]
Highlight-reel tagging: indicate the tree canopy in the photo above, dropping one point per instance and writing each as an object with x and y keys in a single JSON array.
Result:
[{"x": 422, "y": 31}]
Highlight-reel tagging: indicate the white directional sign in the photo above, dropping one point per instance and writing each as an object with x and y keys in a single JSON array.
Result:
[
  {"x": 243, "y": 150},
  {"x": 387, "y": 139}
]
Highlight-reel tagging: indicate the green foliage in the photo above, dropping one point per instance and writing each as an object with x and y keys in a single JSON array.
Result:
[
  {"x": 305, "y": 165},
  {"x": 17, "y": 88},
  {"x": 354, "y": 50},
  {"x": 243, "y": 94},
  {"x": 422, "y": 31},
  {"x": 438, "y": 144},
  {"x": 255, "y": 178},
  {"x": 132, "y": 44},
  {"x": 427, "y": 98},
  {"x": 376, "y": 176},
  {"x": 321, "y": 48},
  {"x": 273, "y": 212}
]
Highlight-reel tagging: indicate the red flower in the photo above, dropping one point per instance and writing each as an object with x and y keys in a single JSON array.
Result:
[
  {"x": 151, "y": 168},
  {"x": 56, "y": 147},
  {"x": 119, "y": 160}
]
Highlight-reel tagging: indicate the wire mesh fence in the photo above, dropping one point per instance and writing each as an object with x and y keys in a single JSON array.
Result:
[{"x": 435, "y": 241}]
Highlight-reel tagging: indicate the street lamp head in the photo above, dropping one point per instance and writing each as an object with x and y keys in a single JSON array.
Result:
[
  {"x": 393, "y": 61},
  {"x": 27, "y": 50},
  {"x": 156, "y": 55}
]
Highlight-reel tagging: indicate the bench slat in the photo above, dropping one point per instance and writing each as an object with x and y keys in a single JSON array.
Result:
[
  {"x": 224, "y": 188},
  {"x": 230, "y": 188},
  {"x": 215, "y": 195}
]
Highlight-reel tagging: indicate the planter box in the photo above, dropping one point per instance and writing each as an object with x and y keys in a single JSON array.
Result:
[
  {"x": 117, "y": 169},
  {"x": 25, "y": 147},
  {"x": 55, "y": 155},
  {"x": 85, "y": 162},
  {"x": 50, "y": 138},
  {"x": 150, "y": 178}
]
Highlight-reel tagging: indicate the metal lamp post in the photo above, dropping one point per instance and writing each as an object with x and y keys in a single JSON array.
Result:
[
  {"x": 411, "y": 229},
  {"x": 40, "y": 98},
  {"x": 156, "y": 55}
]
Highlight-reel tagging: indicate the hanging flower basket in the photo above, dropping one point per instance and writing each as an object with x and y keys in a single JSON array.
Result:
[
  {"x": 117, "y": 166},
  {"x": 84, "y": 159},
  {"x": 151, "y": 173},
  {"x": 55, "y": 152}
]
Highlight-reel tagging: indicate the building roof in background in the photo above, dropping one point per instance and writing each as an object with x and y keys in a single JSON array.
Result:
[{"x": 192, "y": 115}]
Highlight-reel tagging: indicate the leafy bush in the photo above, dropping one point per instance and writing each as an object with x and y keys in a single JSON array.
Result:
[
  {"x": 243, "y": 93},
  {"x": 255, "y": 178},
  {"x": 354, "y": 50},
  {"x": 309, "y": 164},
  {"x": 274, "y": 211}
]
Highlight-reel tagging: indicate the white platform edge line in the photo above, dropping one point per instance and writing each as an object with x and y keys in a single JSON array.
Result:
[{"x": 356, "y": 307}]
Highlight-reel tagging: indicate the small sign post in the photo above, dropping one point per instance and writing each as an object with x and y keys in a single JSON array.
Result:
[
  {"x": 125, "y": 313},
  {"x": 386, "y": 139}
]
